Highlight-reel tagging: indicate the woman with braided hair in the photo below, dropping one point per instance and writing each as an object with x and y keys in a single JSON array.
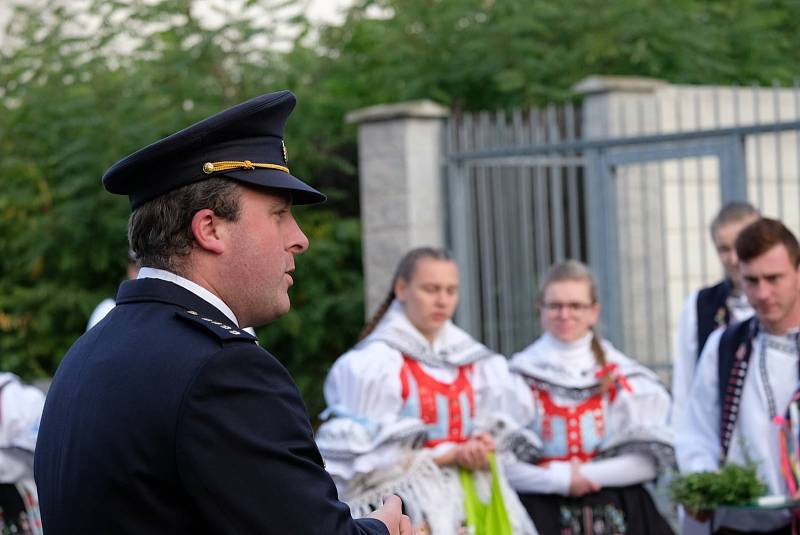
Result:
[
  {"x": 416, "y": 400},
  {"x": 601, "y": 419}
]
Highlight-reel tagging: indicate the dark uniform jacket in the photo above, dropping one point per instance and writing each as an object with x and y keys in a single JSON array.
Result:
[{"x": 165, "y": 418}]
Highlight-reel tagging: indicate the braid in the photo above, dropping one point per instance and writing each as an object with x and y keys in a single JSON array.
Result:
[
  {"x": 378, "y": 316},
  {"x": 606, "y": 381}
]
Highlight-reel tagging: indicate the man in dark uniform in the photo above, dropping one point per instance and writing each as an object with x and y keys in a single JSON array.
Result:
[{"x": 167, "y": 417}]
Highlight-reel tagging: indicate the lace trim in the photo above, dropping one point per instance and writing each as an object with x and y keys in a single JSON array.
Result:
[{"x": 661, "y": 453}]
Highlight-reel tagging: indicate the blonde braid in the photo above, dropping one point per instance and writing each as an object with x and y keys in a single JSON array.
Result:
[{"x": 606, "y": 381}]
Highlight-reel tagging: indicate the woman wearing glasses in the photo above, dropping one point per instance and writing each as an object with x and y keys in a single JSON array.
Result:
[{"x": 601, "y": 419}]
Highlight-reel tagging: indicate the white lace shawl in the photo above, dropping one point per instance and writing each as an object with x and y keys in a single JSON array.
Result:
[
  {"x": 637, "y": 420},
  {"x": 452, "y": 347}
]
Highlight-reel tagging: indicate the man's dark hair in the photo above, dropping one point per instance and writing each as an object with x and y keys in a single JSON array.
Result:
[
  {"x": 762, "y": 235},
  {"x": 733, "y": 212},
  {"x": 160, "y": 231}
]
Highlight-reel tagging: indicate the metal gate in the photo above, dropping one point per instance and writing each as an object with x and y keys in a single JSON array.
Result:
[{"x": 526, "y": 189}]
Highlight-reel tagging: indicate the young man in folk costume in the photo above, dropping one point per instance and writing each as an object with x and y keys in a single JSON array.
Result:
[
  {"x": 714, "y": 306},
  {"x": 747, "y": 375},
  {"x": 708, "y": 309}
]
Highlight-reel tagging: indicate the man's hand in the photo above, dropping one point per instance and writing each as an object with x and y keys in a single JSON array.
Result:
[
  {"x": 578, "y": 484},
  {"x": 391, "y": 514}
]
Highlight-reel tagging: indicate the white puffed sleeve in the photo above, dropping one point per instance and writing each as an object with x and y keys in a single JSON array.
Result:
[
  {"x": 365, "y": 382},
  {"x": 685, "y": 356},
  {"x": 364, "y": 394},
  {"x": 638, "y": 423},
  {"x": 20, "y": 413},
  {"x": 643, "y": 407},
  {"x": 697, "y": 431},
  {"x": 498, "y": 391},
  {"x": 638, "y": 438}
]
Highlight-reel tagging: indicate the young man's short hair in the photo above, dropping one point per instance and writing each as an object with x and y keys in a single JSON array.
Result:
[
  {"x": 762, "y": 235},
  {"x": 733, "y": 212}
]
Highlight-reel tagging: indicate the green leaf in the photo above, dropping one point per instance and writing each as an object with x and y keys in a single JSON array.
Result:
[{"x": 731, "y": 485}]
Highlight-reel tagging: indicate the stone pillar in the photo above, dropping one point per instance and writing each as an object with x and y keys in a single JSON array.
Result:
[{"x": 400, "y": 176}]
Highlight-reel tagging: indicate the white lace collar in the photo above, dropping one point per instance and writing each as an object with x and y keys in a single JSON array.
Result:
[
  {"x": 451, "y": 347},
  {"x": 570, "y": 364}
]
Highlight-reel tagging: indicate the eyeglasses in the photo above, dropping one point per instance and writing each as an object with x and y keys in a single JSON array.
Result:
[{"x": 572, "y": 307}]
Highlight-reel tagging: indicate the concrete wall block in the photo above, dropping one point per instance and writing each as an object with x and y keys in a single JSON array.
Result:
[
  {"x": 425, "y": 187},
  {"x": 381, "y": 253},
  {"x": 386, "y": 139}
]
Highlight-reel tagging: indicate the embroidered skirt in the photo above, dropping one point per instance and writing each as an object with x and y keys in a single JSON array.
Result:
[{"x": 611, "y": 511}]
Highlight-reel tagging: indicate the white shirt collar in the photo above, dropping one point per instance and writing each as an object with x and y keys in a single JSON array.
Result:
[
  {"x": 199, "y": 291},
  {"x": 582, "y": 345}
]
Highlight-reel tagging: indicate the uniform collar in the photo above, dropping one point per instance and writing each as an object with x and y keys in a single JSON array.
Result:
[
  {"x": 202, "y": 293},
  {"x": 160, "y": 291}
]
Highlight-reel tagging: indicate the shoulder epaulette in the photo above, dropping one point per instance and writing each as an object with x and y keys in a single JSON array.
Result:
[{"x": 219, "y": 329}]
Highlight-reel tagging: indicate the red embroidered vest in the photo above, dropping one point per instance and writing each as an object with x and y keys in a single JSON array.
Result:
[
  {"x": 569, "y": 432},
  {"x": 447, "y": 409}
]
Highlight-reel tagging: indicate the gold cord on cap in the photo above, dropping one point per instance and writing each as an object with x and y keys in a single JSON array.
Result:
[{"x": 213, "y": 167}]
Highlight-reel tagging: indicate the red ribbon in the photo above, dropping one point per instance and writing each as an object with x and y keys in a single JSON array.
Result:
[{"x": 612, "y": 370}]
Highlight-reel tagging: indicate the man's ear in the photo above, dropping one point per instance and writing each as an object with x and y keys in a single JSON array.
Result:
[{"x": 208, "y": 232}]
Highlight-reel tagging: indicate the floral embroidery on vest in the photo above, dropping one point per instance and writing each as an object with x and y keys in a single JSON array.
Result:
[
  {"x": 447, "y": 409},
  {"x": 569, "y": 432}
]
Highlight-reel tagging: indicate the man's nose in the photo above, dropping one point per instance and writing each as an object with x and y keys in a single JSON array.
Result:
[
  {"x": 762, "y": 290},
  {"x": 297, "y": 241}
]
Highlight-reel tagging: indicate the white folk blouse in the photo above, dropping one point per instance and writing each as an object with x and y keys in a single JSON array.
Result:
[{"x": 771, "y": 380}]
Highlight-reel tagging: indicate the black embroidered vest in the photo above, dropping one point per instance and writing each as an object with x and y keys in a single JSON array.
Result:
[
  {"x": 735, "y": 348},
  {"x": 712, "y": 311}
]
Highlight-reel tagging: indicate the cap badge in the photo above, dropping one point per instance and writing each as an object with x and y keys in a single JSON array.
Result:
[{"x": 285, "y": 154}]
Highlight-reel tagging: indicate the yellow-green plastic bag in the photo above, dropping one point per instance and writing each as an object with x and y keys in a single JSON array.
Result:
[{"x": 485, "y": 518}]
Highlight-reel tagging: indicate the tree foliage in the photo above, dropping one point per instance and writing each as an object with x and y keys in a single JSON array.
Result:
[
  {"x": 486, "y": 54},
  {"x": 75, "y": 102},
  {"x": 84, "y": 83}
]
